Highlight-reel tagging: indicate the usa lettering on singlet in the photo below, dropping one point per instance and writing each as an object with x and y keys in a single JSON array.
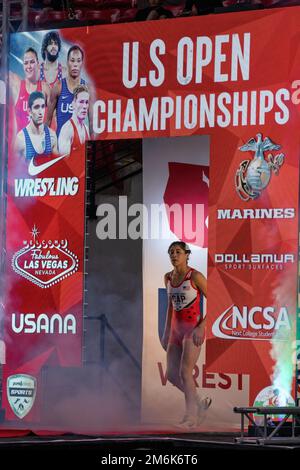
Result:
[
  {"x": 58, "y": 77},
  {"x": 64, "y": 109},
  {"x": 30, "y": 150},
  {"x": 21, "y": 107}
]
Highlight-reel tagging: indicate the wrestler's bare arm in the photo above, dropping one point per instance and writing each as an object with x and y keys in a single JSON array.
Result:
[
  {"x": 20, "y": 145},
  {"x": 200, "y": 282},
  {"x": 55, "y": 92},
  {"x": 47, "y": 92},
  {"x": 54, "y": 146},
  {"x": 166, "y": 334},
  {"x": 66, "y": 138}
]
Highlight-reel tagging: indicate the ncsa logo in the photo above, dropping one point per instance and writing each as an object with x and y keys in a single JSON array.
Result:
[
  {"x": 253, "y": 176},
  {"x": 255, "y": 323}
]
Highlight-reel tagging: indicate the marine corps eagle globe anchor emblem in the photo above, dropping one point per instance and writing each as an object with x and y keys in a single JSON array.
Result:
[{"x": 253, "y": 176}]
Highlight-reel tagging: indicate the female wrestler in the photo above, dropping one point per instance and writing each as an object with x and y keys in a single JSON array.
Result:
[{"x": 184, "y": 330}]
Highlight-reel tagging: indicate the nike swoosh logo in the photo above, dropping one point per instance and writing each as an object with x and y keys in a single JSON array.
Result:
[{"x": 34, "y": 170}]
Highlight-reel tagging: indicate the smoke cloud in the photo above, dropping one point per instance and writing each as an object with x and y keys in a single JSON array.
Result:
[{"x": 283, "y": 342}]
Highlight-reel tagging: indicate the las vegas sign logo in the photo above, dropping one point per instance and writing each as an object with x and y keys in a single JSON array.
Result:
[{"x": 44, "y": 263}]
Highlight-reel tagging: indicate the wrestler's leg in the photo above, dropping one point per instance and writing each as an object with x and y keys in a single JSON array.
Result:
[
  {"x": 190, "y": 355},
  {"x": 174, "y": 353}
]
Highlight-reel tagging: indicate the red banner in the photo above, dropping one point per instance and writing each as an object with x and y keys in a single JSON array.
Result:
[
  {"x": 233, "y": 77},
  {"x": 44, "y": 277}
]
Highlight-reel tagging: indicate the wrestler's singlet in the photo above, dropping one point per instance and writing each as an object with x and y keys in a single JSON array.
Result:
[
  {"x": 64, "y": 109},
  {"x": 76, "y": 144},
  {"x": 21, "y": 107},
  {"x": 185, "y": 299},
  {"x": 58, "y": 76},
  {"x": 30, "y": 150}
]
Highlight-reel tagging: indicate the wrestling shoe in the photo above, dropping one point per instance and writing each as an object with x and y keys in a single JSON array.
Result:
[
  {"x": 203, "y": 405},
  {"x": 185, "y": 417},
  {"x": 189, "y": 423}
]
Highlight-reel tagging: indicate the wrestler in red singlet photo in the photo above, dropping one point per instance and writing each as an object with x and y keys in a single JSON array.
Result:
[
  {"x": 184, "y": 330},
  {"x": 21, "y": 89},
  {"x": 74, "y": 133}
]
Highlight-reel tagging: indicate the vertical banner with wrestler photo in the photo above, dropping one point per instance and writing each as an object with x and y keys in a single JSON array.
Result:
[{"x": 45, "y": 226}]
